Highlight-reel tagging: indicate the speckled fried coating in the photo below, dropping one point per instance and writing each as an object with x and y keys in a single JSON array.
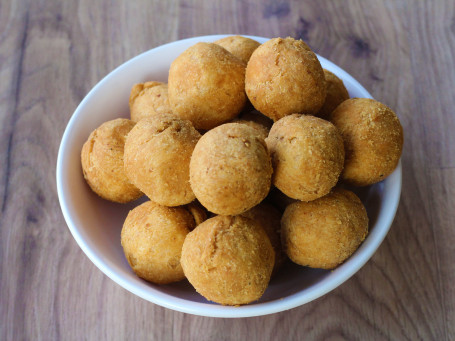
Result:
[
  {"x": 148, "y": 99},
  {"x": 102, "y": 162},
  {"x": 336, "y": 94},
  {"x": 157, "y": 157},
  {"x": 230, "y": 169},
  {"x": 284, "y": 76},
  {"x": 152, "y": 238},
  {"x": 207, "y": 85},
  {"x": 269, "y": 218},
  {"x": 239, "y": 46},
  {"x": 228, "y": 260},
  {"x": 257, "y": 121},
  {"x": 325, "y": 232},
  {"x": 373, "y": 140},
  {"x": 307, "y": 155}
]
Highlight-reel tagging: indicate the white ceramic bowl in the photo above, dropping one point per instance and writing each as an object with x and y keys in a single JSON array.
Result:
[{"x": 96, "y": 224}]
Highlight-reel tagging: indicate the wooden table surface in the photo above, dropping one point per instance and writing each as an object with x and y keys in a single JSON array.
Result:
[{"x": 53, "y": 52}]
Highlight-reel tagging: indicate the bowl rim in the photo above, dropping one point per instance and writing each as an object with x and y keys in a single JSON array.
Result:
[{"x": 213, "y": 310}]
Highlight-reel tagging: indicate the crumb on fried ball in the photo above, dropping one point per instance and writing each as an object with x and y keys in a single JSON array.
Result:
[
  {"x": 373, "y": 140},
  {"x": 307, "y": 155},
  {"x": 148, "y": 99},
  {"x": 228, "y": 260},
  {"x": 157, "y": 158},
  {"x": 102, "y": 162},
  {"x": 239, "y": 46},
  {"x": 284, "y": 77},
  {"x": 256, "y": 120},
  {"x": 270, "y": 219},
  {"x": 336, "y": 94},
  {"x": 207, "y": 85},
  {"x": 325, "y": 232},
  {"x": 230, "y": 169},
  {"x": 152, "y": 239}
]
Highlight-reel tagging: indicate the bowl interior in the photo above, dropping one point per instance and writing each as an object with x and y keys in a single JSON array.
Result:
[{"x": 96, "y": 223}]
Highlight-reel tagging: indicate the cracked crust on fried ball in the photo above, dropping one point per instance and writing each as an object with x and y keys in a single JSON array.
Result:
[
  {"x": 230, "y": 169},
  {"x": 157, "y": 157},
  {"x": 207, "y": 85},
  {"x": 148, "y": 99},
  {"x": 152, "y": 239},
  {"x": 228, "y": 260},
  {"x": 102, "y": 162},
  {"x": 325, "y": 232},
  {"x": 284, "y": 76},
  {"x": 307, "y": 155},
  {"x": 373, "y": 140}
]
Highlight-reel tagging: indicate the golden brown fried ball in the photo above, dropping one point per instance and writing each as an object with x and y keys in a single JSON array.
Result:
[
  {"x": 239, "y": 46},
  {"x": 157, "y": 158},
  {"x": 148, "y": 99},
  {"x": 284, "y": 77},
  {"x": 228, "y": 260},
  {"x": 207, "y": 85},
  {"x": 230, "y": 169},
  {"x": 307, "y": 155},
  {"x": 102, "y": 162},
  {"x": 323, "y": 233},
  {"x": 373, "y": 140},
  {"x": 336, "y": 94},
  {"x": 269, "y": 218},
  {"x": 256, "y": 120},
  {"x": 152, "y": 239}
]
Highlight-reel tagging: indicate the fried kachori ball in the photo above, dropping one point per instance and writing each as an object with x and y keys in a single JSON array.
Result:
[
  {"x": 207, "y": 85},
  {"x": 325, "y": 232},
  {"x": 239, "y": 46},
  {"x": 373, "y": 140},
  {"x": 284, "y": 77},
  {"x": 336, "y": 94},
  {"x": 102, "y": 162},
  {"x": 230, "y": 169},
  {"x": 148, "y": 99},
  {"x": 157, "y": 158},
  {"x": 269, "y": 218},
  {"x": 152, "y": 239},
  {"x": 228, "y": 259},
  {"x": 307, "y": 155},
  {"x": 256, "y": 120}
]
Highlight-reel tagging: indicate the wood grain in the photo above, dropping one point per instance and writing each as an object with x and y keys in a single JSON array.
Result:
[{"x": 53, "y": 52}]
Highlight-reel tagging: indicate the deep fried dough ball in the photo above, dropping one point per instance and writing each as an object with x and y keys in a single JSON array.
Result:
[
  {"x": 207, "y": 85},
  {"x": 284, "y": 77},
  {"x": 307, "y": 155},
  {"x": 323, "y": 233},
  {"x": 336, "y": 94},
  {"x": 256, "y": 120},
  {"x": 102, "y": 162},
  {"x": 228, "y": 259},
  {"x": 239, "y": 46},
  {"x": 269, "y": 218},
  {"x": 373, "y": 140},
  {"x": 148, "y": 99},
  {"x": 230, "y": 169},
  {"x": 157, "y": 157},
  {"x": 152, "y": 239}
]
